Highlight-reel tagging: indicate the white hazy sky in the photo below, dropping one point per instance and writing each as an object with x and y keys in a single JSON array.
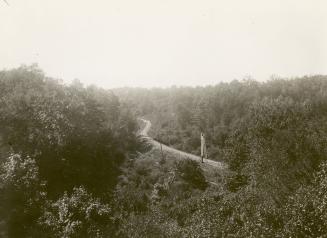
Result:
[{"x": 114, "y": 43}]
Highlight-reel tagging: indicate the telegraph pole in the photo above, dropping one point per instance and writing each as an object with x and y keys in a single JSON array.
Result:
[{"x": 203, "y": 148}]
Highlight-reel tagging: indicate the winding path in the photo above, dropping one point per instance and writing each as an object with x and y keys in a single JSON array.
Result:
[{"x": 179, "y": 153}]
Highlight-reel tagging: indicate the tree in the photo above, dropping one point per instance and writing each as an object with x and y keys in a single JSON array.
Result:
[
  {"x": 23, "y": 195},
  {"x": 77, "y": 215}
]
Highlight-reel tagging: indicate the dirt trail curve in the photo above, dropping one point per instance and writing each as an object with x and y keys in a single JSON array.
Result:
[{"x": 179, "y": 153}]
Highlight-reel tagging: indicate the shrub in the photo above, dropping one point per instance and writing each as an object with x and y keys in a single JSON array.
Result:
[
  {"x": 77, "y": 215},
  {"x": 191, "y": 172}
]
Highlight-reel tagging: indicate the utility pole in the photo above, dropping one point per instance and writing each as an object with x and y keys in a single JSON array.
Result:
[{"x": 203, "y": 148}]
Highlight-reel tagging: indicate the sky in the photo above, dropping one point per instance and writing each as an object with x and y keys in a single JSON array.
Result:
[{"x": 159, "y": 43}]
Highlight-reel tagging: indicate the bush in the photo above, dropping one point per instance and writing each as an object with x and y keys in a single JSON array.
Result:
[
  {"x": 191, "y": 172},
  {"x": 306, "y": 211},
  {"x": 77, "y": 215}
]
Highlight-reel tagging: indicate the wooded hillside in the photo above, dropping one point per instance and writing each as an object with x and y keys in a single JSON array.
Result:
[
  {"x": 273, "y": 136},
  {"x": 64, "y": 146},
  {"x": 71, "y": 164}
]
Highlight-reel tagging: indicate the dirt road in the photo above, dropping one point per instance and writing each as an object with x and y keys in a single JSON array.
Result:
[{"x": 178, "y": 153}]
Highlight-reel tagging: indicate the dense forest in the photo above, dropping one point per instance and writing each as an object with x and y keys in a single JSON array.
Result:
[
  {"x": 61, "y": 152},
  {"x": 72, "y": 165},
  {"x": 273, "y": 137}
]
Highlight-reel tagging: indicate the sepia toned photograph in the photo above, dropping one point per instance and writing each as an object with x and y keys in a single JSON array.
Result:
[{"x": 163, "y": 119}]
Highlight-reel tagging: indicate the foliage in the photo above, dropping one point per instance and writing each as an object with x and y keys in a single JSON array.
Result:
[
  {"x": 306, "y": 210},
  {"x": 273, "y": 137},
  {"x": 66, "y": 137},
  {"x": 190, "y": 172},
  {"x": 77, "y": 215},
  {"x": 152, "y": 224},
  {"x": 73, "y": 168},
  {"x": 22, "y": 194},
  {"x": 150, "y": 195}
]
